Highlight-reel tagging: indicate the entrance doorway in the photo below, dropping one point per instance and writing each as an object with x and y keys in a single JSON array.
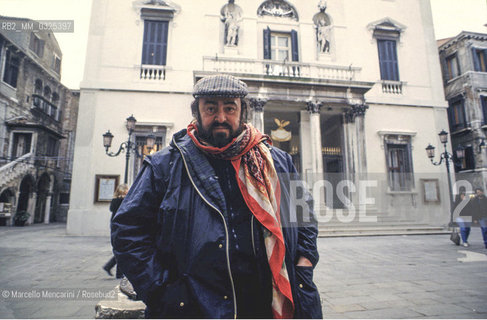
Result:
[
  {"x": 332, "y": 152},
  {"x": 283, "y": 128},
  {"x": 42, "y": 194}
]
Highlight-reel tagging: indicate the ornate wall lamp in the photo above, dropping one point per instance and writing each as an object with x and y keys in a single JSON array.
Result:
[{"x": 127, "y": 146}]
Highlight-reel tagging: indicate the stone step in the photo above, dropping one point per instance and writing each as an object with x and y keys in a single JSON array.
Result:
[
  {"x": 120, "y": 308},
  {"x": 345, "y": 230}
]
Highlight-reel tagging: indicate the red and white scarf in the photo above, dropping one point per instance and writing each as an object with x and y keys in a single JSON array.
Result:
[{"x": 258, "y": 181}]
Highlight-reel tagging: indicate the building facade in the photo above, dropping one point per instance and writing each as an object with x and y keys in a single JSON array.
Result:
[
  {"x": 351, "y": 89},
  {"x": 37, "y": 126},
  {"x": 464, "y": 66}
]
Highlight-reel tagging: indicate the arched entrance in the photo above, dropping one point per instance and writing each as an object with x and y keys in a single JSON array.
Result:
[
  {"x": 25, "y": 190},
  {"x": 7, "y": 198},
  {"x": 42, "y": 195}
]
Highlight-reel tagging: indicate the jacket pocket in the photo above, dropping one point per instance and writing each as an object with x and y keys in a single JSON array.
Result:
[
  {"x": 176, "y": 302},
  {"x": 308, "y": 305}
]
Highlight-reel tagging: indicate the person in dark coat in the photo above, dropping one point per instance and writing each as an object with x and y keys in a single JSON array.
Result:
[
  {"x": 462, "y": 208},
  {"x": 209, "y": 228},
  {"x": 477, "y": 207},
  {"x": 118, "y": 197}
]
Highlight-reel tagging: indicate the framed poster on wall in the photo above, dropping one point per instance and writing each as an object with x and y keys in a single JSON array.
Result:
[
  {"x": 431, "y": 190},
  {"x": 105, "y": 186}
]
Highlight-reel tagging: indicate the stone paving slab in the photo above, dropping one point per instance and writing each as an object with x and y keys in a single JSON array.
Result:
[{"x": 367, "y": 277}]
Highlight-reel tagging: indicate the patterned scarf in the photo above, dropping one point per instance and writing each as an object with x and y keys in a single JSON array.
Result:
[{"x": 258, "y": 181}]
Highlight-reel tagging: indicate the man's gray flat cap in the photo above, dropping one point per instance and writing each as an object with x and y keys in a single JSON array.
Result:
[{"x": 220, "y": 86}]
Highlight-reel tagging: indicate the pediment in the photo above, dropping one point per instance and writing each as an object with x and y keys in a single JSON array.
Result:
[
  {"x": 156, "y": 8},
  {"x": 387, "y": 24}
]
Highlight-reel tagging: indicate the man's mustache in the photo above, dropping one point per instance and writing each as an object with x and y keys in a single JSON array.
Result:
[{"x": 220, "y": 125}]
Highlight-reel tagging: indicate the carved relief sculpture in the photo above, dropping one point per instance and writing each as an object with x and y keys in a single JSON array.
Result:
[
  {"x": 277, "y": 8},
  {"x": 231, "y": 16}
]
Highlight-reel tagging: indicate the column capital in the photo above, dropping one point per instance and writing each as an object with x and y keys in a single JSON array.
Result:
[
  {"x": 257, "y": 104},
  {"x": 356, "y": 110},
  {"x": 313, "y": 106}
]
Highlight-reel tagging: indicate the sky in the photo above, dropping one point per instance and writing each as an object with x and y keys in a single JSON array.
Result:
[{"x": 450, "y": 17}]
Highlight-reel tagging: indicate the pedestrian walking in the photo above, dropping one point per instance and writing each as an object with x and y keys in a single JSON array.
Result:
[
  {"x": 206, "y": 230},
  {"x": 461, "y": 205},
  {"x": 477, "y": 207},
  {"x": 118, "y": 197}
]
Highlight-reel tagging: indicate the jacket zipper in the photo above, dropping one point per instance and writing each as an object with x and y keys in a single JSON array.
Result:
[
  {"x": 252, "y": 234},
  {"x": 226, "y": 230}
]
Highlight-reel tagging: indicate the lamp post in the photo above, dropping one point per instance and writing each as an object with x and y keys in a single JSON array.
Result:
[
  {"x": 460, "y": 153},
  {"x": 127, "y": 146}
]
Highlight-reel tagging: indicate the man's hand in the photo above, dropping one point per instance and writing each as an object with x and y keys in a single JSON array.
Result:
[{"x": 304, "y": 262}]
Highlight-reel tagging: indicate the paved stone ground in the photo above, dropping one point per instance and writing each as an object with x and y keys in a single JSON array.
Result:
[
  {"x": 43, "y": 257},
  {"x": 402, "y": 277},
  {"x": 363, "y": 277}
]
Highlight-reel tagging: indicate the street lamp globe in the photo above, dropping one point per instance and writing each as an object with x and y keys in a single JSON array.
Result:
[
  {"x": 107, "y": 139},
  {"x": 460, "y": 152},
  {"x": 430, "y": 151},
  {"x": 443, "y": 136},
  {"x": 131, "y": 123}
]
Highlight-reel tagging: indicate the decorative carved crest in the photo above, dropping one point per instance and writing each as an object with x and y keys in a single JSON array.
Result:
[{"x": 277, "y": 8}]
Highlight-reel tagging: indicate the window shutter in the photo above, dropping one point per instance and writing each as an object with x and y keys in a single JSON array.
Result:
[
  {"x": 294, "y": 45},
  {"x": 164, "y": 32},
  {"x": 388, "y": 60},
  {"x": 267, "y": 43},
  {"x": 476, "y": 62},
  {"x": 154, "y": 49}
]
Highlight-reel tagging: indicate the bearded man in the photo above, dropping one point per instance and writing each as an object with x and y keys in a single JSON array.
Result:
[{"x": 207, "y": 230}]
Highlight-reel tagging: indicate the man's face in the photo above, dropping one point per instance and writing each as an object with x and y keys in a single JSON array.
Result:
[
  {"x": 479, "y": 193},
  {"x": 219, "y": 119}
]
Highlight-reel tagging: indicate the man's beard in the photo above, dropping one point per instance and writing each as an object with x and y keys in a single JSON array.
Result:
[{"x": 218, "y": 139}]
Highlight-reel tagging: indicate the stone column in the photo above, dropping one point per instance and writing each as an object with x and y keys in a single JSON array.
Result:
[
  {"x": 31, "y": 207},
  {"x": 313, "y": 108},
  {"x": 257, "y": 106},
  {"x": 47, "y": 211},
  {"x": 354, "y": 127}
]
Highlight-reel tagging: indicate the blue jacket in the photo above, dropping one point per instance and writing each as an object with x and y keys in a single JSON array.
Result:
[{"x": 170, "y": 237}]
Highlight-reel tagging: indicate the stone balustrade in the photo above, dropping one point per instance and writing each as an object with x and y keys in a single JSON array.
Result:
[
  {"x": 16, "y": 168},
  {"x": 152, "y": 72},
  {"x": 287, "y": 69}
]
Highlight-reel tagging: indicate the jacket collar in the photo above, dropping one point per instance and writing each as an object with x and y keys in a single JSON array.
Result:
[{"x": 201, "y": 172}]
